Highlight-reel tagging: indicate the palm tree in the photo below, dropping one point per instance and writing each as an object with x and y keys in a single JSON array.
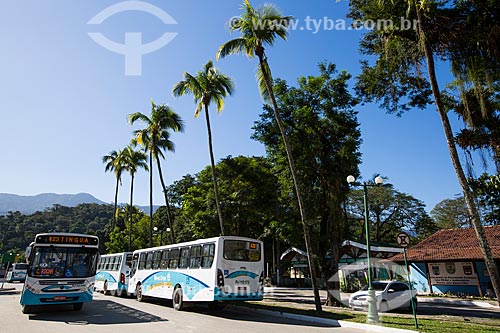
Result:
[
  {"x": 207, "y": 86},
  {"x": 154, "y": 138},
  {"x": 420, "y": 7},
  {"x": 462, "y": 179},
  {"x": 133, "y": 161},
  {"x": 258, "y": 28},
  {"x": 115, "y": 163}
]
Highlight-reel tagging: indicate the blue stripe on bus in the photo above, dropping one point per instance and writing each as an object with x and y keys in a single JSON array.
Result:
[
  {"x": 104, "y": 276},
  {"x": 190, "y": 285},
  {"x": 241, "y": 273}
]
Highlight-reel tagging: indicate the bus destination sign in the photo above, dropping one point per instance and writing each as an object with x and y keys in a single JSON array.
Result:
[{"x": 67, "y": 239}]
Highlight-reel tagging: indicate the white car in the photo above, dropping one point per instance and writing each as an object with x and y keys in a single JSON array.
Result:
[{"x": 390, "y": 295}]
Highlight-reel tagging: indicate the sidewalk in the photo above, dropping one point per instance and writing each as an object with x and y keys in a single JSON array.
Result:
[{"x": 303, "y": 298}]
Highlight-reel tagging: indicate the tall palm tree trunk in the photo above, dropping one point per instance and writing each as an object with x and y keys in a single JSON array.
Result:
[
  {"x": 130, "y": 212},
  {"x": 307, "y": 238},
  {"x": 150, "y": 198},
  {"x": 169, "y": 213},
  {"x": 469, "y": 198},
  {"x": 214, "y": 174},
  {"x": 116, "y": 203}
]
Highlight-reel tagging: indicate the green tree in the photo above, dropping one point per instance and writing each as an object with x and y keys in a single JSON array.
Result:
[
  {"x": 134, "y": 160},
  {"x": 451, "y": 214},
  {"x": 136, "y": 226},
  {"x": 207, "y": 86},
  {"x": 115, "y": 162},
  {"x": 487, "y": 191},
  {"x": 397, "y": 67},
  {"x": 155, "y": 138},
  {"x": 389, "y": 212},
  {"x": 259, "y": 28},
  {"x": 323, "y": 131},
  {"x": 245, "y": 183}
]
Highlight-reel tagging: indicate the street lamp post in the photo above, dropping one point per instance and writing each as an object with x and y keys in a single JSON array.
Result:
[
  {"x": 158, "y": 231},
  {"x": 168, "y": 233},
  {"x": 372, "y": 300}
]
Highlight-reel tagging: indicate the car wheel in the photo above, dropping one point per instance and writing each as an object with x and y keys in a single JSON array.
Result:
[
  {"x": 384, "y": 307},
  {"x": 177, "y": 299}
]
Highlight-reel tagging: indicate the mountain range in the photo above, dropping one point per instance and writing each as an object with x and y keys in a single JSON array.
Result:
[{"x": 28, "y": 204}]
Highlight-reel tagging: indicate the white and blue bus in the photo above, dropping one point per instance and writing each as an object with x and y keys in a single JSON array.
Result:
[
  {"x": 113, "y": 272},
  {"x": 212, "y": 270},
  {"x": 61, "y": 270}
]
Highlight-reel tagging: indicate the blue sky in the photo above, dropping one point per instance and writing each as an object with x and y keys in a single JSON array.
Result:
[{"x": 64, "y": 99}]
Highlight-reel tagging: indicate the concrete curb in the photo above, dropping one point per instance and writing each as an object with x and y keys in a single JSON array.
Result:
[
  {"x": 326, "y": 321},
  {"x": 6, "y": 289}
]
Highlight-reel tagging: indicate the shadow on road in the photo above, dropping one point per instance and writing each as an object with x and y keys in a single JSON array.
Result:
[{"x": 99, "y": 312}]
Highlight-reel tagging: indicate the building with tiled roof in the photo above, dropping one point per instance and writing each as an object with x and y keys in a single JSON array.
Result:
[
  {"x": 453, "y": 244},
  {"x": 451, "y": 261}
]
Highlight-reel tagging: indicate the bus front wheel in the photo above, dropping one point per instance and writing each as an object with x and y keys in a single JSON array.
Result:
[
  {"x": 27, "y": 309},
  {"x": 77, "y": 306},
  {"x": 177, "y": 299}
]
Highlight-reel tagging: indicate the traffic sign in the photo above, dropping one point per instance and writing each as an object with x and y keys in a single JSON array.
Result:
[{"x": 403, "y": 239}]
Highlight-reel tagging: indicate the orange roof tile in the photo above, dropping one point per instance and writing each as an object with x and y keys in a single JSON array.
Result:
[{"x": 452, "y": 244}]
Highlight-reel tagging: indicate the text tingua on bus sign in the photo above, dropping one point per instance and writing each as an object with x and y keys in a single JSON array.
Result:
[{"x": 66, "y": 239}]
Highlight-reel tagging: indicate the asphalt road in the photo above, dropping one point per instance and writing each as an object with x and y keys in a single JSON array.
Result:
[{"x": 126, "y": 315}]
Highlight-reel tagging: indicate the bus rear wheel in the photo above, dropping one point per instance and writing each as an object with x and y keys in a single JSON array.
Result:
[
  {"x": 177, "y": 299},
  {"x": 138, "y": 293},
  {"x": 216, "y": 306}
]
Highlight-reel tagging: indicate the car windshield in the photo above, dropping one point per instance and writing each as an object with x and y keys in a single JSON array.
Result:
[{"x": 379, "y": 286}]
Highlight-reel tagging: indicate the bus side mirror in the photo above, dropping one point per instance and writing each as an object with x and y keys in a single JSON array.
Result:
[{"x": 27, "y": 254}]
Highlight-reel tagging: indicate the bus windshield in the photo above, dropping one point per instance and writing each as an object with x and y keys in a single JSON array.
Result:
[
  {"x": 239, "y": 250},
  {"x": 63, "y": 262}
]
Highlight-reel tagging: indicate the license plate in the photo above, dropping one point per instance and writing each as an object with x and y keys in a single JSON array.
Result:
[{"x": 59, "y": 298}]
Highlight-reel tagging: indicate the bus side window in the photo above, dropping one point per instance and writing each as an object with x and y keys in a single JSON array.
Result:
[
  {"x": 156, "y": 260},
  {"x": 195, "y": 257},
  {"x": 164, "y": 259},
  {"x": 208, "y": 255},
  {"x": 142, "y": 260},
  {"x": 149, "y": 260},
  {"x": 133, "y": 264},
  {"x": 128, "y": 260},
  {"x": 184, "y": 261},
  {"x": 173, "y": 258}
]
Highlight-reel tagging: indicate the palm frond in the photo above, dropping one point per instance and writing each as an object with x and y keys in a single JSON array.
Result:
[
  {"x": 132, "y": 118},
  {"x": 234, "y": 46}
]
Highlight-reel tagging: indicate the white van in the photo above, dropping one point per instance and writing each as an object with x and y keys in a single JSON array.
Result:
[{"x": 17, "y": 272}]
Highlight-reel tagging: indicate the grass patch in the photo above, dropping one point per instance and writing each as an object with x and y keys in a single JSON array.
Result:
[{"x": 440, "y": 324}]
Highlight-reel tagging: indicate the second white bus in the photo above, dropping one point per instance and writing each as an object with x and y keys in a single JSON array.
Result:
[
  {"x": 226, "y": 268},
  {"x": 113, "y": 272}
]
